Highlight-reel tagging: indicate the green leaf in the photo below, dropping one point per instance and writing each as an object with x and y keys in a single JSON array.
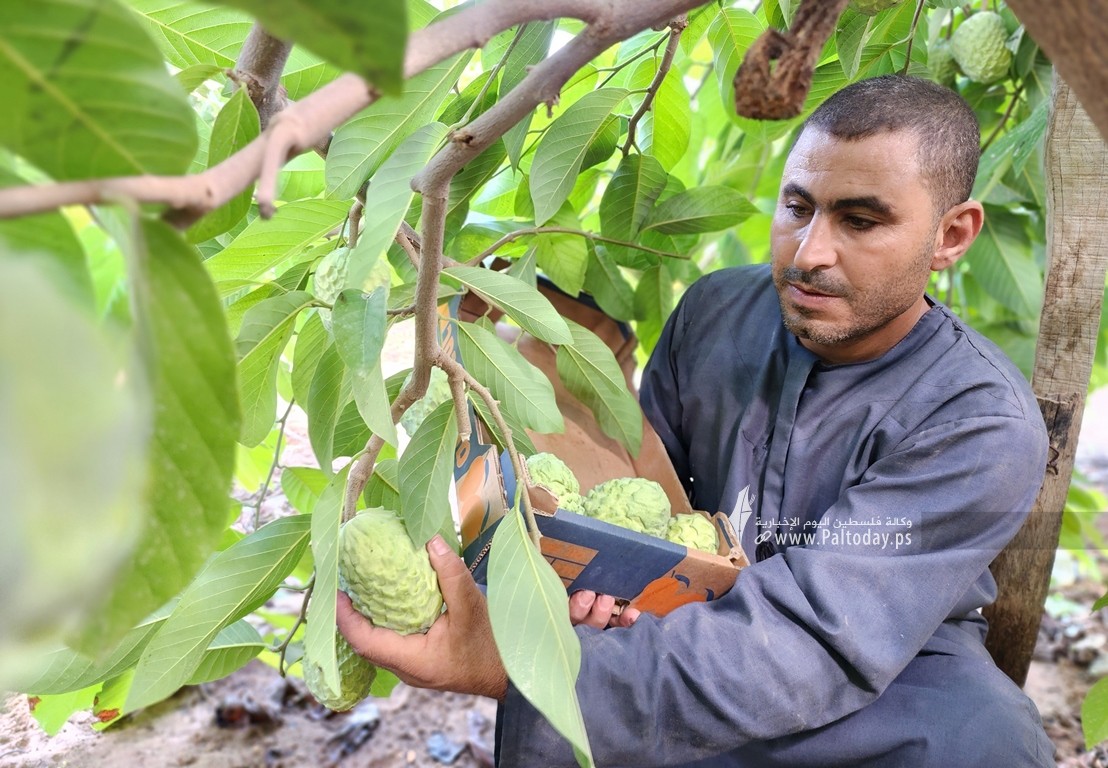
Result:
[
  {"x": 1094, "y": 714},
  {"x": 653, "y": 303},
  {"x": 469, "y": 179},
  {"x": 329, "y": 390},
  {"x": 362, "y": 143},
  {"x": 1002, "y": 263},
  {"x": 591, "y": 374},
  {"x": 235, "y": 582},
  {"x": 49, "y": 240},
  {"x": 108, "y": 706},
  {"x": 630, "y": 196},
  {"x": 851, "y": 35},
  {"x": 530, "y": 622},
  {"x": 191, "y": 367},
  {"x": 86, "y": 94},
  {"x": 311, "y": 341},
  {"x": 388, "y": 197},
  {"x": 1100, "y": 603},
  {"x": 564, "y": 258},
  {"x": 425, "y": 474},
  {"x": 523, "y": 303},
  {"x": 605, "y": 283},
  {"x": 603, "y": 144},
  {"x": 193, "y": 77},
  {"x": 291, "y": 279},
  {"x": 266, "y": 329},
  {"x": 383, "y": 488},
  {"x": 562, "y": 149},
  {"x": 700, "y": 209},
  {"x": 235, "y": 127},
  {"x": 231, "y": 649},
  {"x": 1011, "y": 151},
  {"x": 534, "y": 42},
  {"x": 730, "y": 34},
  {"x": 360, "y": 322},
  {"x": 520, "y": 387},
  {"x": 519, "y": 433},
  {"x": 664, "y": 130},
  {"x": 367, "y": 39},
  {"x": 319, "y": 638},
  {"x": 266, "y": 243},
  {"x": 303, "y": 487},
  {"x": 51, "y": 712},
  {"x": 192, "y": 33}
]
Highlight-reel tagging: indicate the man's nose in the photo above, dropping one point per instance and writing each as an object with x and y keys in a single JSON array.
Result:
[{"x": 817, "y": 248}]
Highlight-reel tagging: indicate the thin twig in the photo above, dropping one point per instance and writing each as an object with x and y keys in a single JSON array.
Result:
[
  {"x": 912, "y": 36},
  {"x": 272, "y": 467},
  {"x": 283, "y": 648},
  {"x": 354, "y": 222},
  {"x": 616, "y": 68},
  {"x": 552, "y": 230},
  {"x": 492, "y": 76},
  {"x": 677, "y": 26},
  {"x": 1003, "y": 120}
]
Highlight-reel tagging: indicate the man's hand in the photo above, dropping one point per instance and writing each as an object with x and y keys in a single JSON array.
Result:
[
  {"x": 593, "y": 610},
  {"x": 457, "y": 654}
]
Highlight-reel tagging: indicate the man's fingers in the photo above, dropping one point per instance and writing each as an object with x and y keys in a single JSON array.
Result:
[
  {"x": 455, "y": 581},
  {"x": 381, "y": 646},
  {"x": 580, "y": 605}
]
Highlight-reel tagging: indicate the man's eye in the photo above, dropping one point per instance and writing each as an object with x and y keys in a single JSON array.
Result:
[
  {"x": 798, "y": 210},
  {"x": 854, "y": 222}
]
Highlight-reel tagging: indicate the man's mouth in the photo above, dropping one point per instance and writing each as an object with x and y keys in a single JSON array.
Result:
[{"x": 807, "y": 289}]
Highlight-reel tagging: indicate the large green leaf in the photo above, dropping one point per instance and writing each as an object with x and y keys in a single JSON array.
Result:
[
  {"x": 530, "y": 622},
  {"x": 235, "y": 127},
  {"x": 590, "y": 372},
  {"x": 290, "y": 280},
  {"x": 519, "y": 433},
  {"x": 533, "y": 44},
  {"x": 1002, "y": 263},
  {"x": 730, "y": 34},
  {"x": 362, "y": 143},
  {"x": 520, "y": 387},
  {"x": 311, "y": 341},
  {"x": 388, "y": 197},
  {"x": 469, "y": 179},
  {"x": 235, "y": 582},
  {"x": 49, "y": 239},
  {"x": 197, "y": 33},
  {"x": 191, "y": 367},
  {"x": 266, "y": 329},
  {"x": 86, "y": 94},
  {"x": 68, "y": 401},
  {"x": 664, "y": 130},
  {"x": 303, "y": 486},
  {"x": 360, "y": 322},
  {"x": 630, "y": 196},
  {"x": 231, "y": 649},
  {"x": 605, "y": 283},
  {"x": 523, "y": 303},
  {"x": 851, "y": 36},
  {"x": 383, "y": 488},
  {"x": 700, "y": 209},
  {"x": 1011, "y": 151},
  {"x": 266, "y": 243},
  {"x": 425, "y": 474},
  {"x": 562, "y": 149},
  {"x": 367, "y": 39},
  {"x": 319, "y": 638},
  {"x": 1094, "y": 714},
  {"x": 329, "y": 390}
]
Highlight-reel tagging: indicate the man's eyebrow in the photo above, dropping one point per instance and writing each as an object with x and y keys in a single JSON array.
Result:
[{"x": 868, "y": 202}]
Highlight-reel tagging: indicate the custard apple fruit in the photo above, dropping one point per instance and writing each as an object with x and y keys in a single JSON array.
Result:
[
  {"x": 548, "y": 470},
  {"x": 941, "y": 63},
  {"x": 356, "y": 675},
  {"x": 693, "y": 531},
  {"x": 980, "y": 46},
  {"x": 632, "y": 502},
  {"x": 873, "y": 7},
  {"x": 331, "y": 279},
  {"x": 438, "y": 392},
  {"x": 389, "y": 580}
]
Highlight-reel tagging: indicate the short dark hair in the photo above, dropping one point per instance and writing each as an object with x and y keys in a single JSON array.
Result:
[{"x": 947, "y": 129}]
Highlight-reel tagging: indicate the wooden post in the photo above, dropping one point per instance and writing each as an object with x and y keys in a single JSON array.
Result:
[{"x": 1076, "y": 165}]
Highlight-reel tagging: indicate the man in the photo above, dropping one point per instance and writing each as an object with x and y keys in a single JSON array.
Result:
[{"x": 882, "y": 452}]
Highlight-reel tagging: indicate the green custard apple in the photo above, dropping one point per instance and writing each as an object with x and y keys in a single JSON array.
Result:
[
  {"x": 694, "y": 531},
  {"x": 548, "y": 470},
  {"x": 632, "y": 502},
  {"x": 941, "y": 64},
  {"x": 389, "y": 580},
  {"x": 438, "y": 392},
  {"x": 980, "y": 46},
  {"x": 356, "y": 675}
]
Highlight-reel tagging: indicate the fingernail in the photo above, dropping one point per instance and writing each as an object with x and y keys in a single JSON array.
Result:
[{"x": 438, "y": 545}]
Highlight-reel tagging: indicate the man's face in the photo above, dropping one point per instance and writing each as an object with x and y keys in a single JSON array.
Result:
[{"x": 853, "y": 239}]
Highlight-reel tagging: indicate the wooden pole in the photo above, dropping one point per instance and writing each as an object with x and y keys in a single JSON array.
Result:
[{"x": 1076, "y": 171}]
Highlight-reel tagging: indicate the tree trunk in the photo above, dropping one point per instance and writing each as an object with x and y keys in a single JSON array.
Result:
[
  {"x": 1072, "y": 33},
  {"x": 1076, "y": 161}
]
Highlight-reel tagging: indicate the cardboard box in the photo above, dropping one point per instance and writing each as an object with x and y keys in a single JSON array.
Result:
[{"x": 650, "y": 574}]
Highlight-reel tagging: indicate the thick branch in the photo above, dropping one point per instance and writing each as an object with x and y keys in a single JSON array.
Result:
[
  {"x": 259, "y": 68},
  {"x": 677, "y": 26}
]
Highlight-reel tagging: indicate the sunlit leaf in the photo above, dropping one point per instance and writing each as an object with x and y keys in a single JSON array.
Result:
[
  {"x": 523, "y": 303},
  {"x": 425, "y": 473},
  {"x": 1001, "y": 261},
  {"x": 700, "y": 209},
  {"x": 605, "y": 283},
  {"x": 319, "y": 639},
  {"x": 532, "y": 47},
  {"x": 330, "y": 388},
  {"x": 359, "y": 323}
]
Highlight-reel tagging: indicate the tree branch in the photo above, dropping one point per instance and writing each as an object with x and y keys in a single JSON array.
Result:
[
  {"x": 259, "y": 68},
  {"x": 676, "y": 27},
  {"x": 517, "y": 234},
  {"x": 299, "y": 127}
]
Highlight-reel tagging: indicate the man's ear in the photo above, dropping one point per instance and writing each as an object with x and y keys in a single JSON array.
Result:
[{"x": 957, "y": 230}]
